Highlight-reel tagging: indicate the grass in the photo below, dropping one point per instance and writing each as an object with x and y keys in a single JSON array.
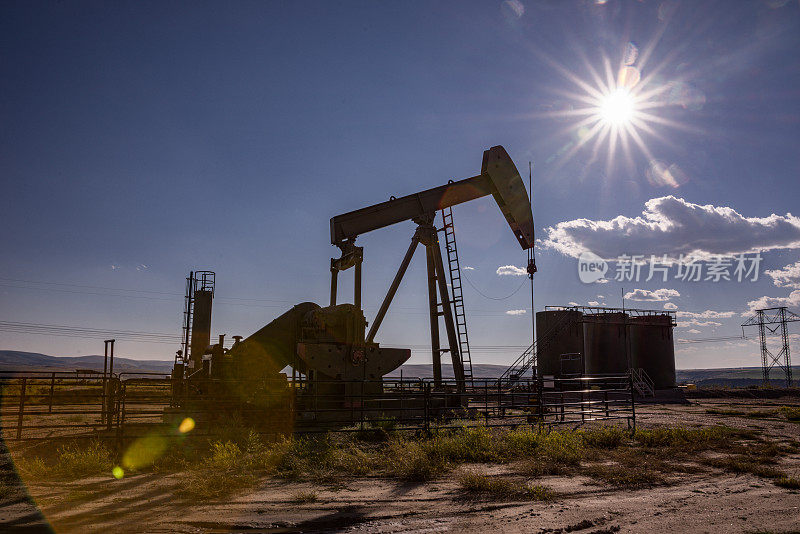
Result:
[
  {"x": 503, "y": 488},
  {"x": 70, "y": 461},
  {"x": 791, "y": 413},
  {"x": 237, "y": 458},
  {"x": 625, "y": 476},
  {"x": 304, "y": 497},
  {"x": 744, "y": 464},
  {"x": 788, "y": 482}
]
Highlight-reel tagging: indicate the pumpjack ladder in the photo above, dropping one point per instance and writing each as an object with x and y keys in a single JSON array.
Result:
[{"x": 458, "y": 295}]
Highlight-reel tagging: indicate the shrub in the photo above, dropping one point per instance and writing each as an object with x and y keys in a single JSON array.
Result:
[
  {"x": 606, "y": 437},
  {"x": 792, "y": 413},
  {"x": 626, "y": 476},
  {"x": 304, "y": 497},
  {"x": 503, "y": 488},
  {"x": 788, "y": 482},
  {"x": 76, "y": 460}
]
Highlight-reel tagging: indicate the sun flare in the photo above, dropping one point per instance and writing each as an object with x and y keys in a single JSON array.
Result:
[{"x": 618, "y": 107}]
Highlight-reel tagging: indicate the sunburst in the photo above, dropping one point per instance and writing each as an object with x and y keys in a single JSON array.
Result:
[{"x": 616, "y": 111}]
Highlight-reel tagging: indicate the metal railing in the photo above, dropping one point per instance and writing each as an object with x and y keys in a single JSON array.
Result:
[{"x": 54, "y": 405}]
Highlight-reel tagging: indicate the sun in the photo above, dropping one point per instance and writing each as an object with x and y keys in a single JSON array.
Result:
[{"x": 617, "y": 108}]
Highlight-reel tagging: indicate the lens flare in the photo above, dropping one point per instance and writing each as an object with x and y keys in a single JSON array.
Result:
[
  {"x": 187, "y": 425},
  {"x": 618, "y": 107}
]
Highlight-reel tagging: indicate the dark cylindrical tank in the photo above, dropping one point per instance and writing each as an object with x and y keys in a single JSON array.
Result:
[
  {"x": 201, "y": 326},
  {"x": 605, "y": 343},
  {"x": 557, "y": 332},
  {"x": 652, "y": 348}
]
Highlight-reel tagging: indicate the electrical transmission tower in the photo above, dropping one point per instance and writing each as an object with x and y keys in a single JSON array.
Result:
[{"x": 764, "y": 319}]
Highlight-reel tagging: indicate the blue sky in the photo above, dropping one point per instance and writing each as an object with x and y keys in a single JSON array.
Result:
[{"x": 140, "y": 140}]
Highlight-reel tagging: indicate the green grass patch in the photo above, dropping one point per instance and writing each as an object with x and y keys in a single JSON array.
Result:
[{"x": 72, "y": 460}]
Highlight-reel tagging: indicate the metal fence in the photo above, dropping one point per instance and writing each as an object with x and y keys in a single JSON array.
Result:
[{"x": 48, "y": 405}]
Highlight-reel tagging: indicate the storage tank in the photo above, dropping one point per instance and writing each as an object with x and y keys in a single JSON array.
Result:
[
  {"x": 605, "y": 343},
  {"x": 554, "y": 338},
  {"x": 201, "y": 326},
  {"x": 652, "y": 348}
]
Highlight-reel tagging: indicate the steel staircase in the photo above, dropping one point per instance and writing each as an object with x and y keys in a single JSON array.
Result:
[
  {"x": 458, "y": 295},
  {"x": 642, "y": 382},
  {"x": 527, "y": 360}
]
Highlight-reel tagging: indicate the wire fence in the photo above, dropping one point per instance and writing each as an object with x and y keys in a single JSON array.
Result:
[{"x": 36, "y": 406}]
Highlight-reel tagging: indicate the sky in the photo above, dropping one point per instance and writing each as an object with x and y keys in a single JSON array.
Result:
[{"x": 142, "y": 140}]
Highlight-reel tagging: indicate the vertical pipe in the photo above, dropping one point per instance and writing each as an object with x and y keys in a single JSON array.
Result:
[
  {"x": 334, "y": 281},
  {"x": 111, "y": 359},
  {"x": 357, "y": 286},
  {"x": 109, "y": 400},
  {"x": 436, "y": 352},
  {"x": 105, "y": 383}
]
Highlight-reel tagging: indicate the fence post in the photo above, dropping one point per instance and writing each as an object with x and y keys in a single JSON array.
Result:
[
  {"x": 52, "y": 385},
  {"x": 361, "y": 405},
  {"x": 426, "y": 392},
  {"x": 486, "y": 401},
  {"x": 540, "y": 395},
  {"x": 633, "y": 401},
  {"x": 112, "y": 396},
  {"x": 21, "y": 407}
]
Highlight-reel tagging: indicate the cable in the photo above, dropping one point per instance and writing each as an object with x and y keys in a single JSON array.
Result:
[{"x": 487, "y": 296}]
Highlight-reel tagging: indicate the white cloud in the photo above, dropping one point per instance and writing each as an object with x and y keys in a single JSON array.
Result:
[
  {"x": 673, "y": 226},
  {"x": 142, "y": 267},
  {"x": 516, "y": 312},
  {"x": 659, "y": 295},
  {"x": 512, "y": 270},
  {"x": 670, "y": 306},
  {"x": 695, "y": 322},
  {"x": 594, "y": 303},
  {"x": 694, "y": 331},
  {"x": 601, "y": 296},
  {"x": 468, "y": 268},
  {"x": 789, "y": 276},
  {"x": 708, "y": 314},
  {"x": 515, "y": 7},
  {"x": 573, "y": 303},
  {"x": 772, "y": 302}
]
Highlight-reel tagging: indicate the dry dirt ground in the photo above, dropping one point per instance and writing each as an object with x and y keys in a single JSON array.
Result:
[{"x": 709, "y": 500}]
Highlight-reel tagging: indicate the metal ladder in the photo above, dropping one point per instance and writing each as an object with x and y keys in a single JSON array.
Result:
[
  {"x": 188, "y": 312},
  {"x": 458, "y": 296}
]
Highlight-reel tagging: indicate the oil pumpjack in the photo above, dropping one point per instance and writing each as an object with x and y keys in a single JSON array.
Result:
[{"x": 331, "y": 345}]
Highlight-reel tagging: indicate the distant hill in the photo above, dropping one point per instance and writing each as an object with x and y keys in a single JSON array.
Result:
[{"x": 13, "y": 360}]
